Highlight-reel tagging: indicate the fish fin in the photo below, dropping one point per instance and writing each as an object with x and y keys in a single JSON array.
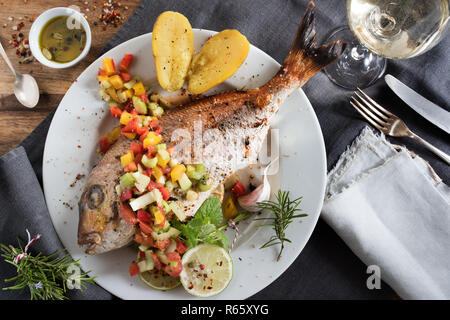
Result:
[
  {"x": 304, "y": 58},
  {"x": 303, "y": 61}
]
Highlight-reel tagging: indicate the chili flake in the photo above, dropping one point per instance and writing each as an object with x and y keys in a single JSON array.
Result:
[{"x": 110, "y": 13}]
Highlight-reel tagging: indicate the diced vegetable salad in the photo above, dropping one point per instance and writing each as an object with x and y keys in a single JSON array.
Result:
[{"x": 151, "y": 178}]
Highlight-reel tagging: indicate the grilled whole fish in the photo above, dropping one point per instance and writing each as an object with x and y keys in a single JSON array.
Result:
[{"x": 233, "y": 125}]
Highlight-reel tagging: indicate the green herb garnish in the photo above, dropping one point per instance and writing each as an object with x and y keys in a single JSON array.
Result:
[
  {"x": 44, "y": 276},
  {"x": 283, "y": 211},
  {"x": 204, "y": 227}
]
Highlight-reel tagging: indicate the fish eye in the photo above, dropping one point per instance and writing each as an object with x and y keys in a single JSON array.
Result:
[{"x": 95, "y": 196}]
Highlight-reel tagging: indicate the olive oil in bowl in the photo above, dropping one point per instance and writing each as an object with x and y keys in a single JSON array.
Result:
[{"x": 60, "y": 44}]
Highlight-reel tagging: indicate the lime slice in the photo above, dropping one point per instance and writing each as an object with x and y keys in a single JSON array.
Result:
[
  {"x": 207, "y": 270},
  {"x": 159, "y": 280}
]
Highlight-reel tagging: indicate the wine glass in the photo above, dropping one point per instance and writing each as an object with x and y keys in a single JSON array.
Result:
[{"x": 394, "y": 29}]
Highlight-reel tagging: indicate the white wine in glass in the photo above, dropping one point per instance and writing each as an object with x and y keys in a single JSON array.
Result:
[{"x": 394, "y": 29}]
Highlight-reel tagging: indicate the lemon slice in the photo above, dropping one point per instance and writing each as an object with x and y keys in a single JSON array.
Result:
[
  {"x": 159, "y": 280},
  {"x": 207, "y": 270}
]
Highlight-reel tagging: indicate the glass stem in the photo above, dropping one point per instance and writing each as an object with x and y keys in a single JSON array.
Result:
[{"x": 358, "y": 52}]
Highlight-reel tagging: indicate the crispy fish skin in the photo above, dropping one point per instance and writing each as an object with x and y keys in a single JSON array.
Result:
[{"x": 240, "y": 118}]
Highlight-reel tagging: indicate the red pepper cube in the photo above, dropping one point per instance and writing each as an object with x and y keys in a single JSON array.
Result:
[
  {"x": 151, "y": 151},
  {"x": 238, "y": 189},
  {"x": 151, "y": 185},
  {"x": 162, "y": 244},
  {"x": 101, "y": 72},
  {"x": 145, "y": 227},
  {"x": 144, "y": 98},
  {"x": 126, "y": 195},
  {"x": 134, "y": 269},
  {"x": 143, "y": 134},
  {"x": 136, "y": 148},
  {"x": 144, "y": 216},
  {"x": 143, "y": 239},
  {"x": 128, "y": 214},
  {"x": 104, "y": 144},
  {"x": 156, "y": 261},
  {"x": 132, "y": 167},
  {"x": 158, "y": 131},
  {"x": 142, "y": 130},
  {"x": 116, "y": 112},
  {"x": 125, "y": 76},
  {"x": 154, "y": 123},
  {"x": 164, "y": 192},
  {"x": 138, "y": 158},
  {"x": 125, "y": 63},
  {"x": 131, "y": 126},
  {"x": 181, "y": 248}
]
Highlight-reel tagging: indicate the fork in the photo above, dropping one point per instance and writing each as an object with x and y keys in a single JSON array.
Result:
[{"x": 387, "y": 122}]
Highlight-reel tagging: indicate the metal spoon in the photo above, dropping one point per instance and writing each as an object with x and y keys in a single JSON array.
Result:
[{"x": 25, "y": 86}]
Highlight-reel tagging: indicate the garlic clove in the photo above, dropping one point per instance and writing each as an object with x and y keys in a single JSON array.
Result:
[
  {"x": 261, "y": 193},
  {"x": 249, "y": 201}
]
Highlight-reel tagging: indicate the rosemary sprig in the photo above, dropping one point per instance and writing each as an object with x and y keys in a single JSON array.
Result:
[
  {"x": 283, "y": 210},
  {"x": 44, "y": 276}
]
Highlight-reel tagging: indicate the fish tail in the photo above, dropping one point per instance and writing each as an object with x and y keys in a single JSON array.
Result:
[{"x": 305, "y": 59}]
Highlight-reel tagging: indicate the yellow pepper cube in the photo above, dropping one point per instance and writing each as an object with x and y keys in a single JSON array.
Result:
[
  {"x": 230, "y": 210},
  {"x": 116, "y": 81},
  {"x": 159, "y": 216},
  {"x": 112, "y": 93},
  {"x": 129, "y": 135},
  {"x": 108, "y": 66},
  {"x": 139, "y": 89},
  {"x": 125, "y": 117},
  {"x": 126, "y": 159},
  {"x": 102, "y": 78},
  {"x": 151, "y": 139},
  {"x": 113, "y": 135},
  {"x": 157, "y": 173},
  {"x": 162, "y": 162},
  {"x": 129, "y": 93},
  {"x": 177, "y": 172}
]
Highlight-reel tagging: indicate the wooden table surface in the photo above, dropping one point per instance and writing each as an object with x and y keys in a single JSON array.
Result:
[{"x": 16, "y": 121}]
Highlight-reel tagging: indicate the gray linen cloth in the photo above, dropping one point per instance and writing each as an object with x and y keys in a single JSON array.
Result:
[
  {"x": 392, "y": 209},
  {"x": 327, "y": 268}
]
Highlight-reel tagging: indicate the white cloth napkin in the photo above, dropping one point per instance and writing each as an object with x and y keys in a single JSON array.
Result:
[{"x": 393, "y": 211}]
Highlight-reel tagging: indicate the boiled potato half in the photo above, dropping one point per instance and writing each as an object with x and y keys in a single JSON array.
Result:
[
  {"x": 218, "y": 60},
  {"x": 173, "y": 49}
]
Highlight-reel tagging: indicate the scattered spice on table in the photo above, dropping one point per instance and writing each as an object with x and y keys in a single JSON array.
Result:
[
  {"x": 18, "y": 40},
  {"x": 108, "y": 12},
  {"x": 111, "y": 14},
  {"x": 22, "y": 46}
]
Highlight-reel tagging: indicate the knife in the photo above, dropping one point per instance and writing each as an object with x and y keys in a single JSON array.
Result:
[{"x": 427, "y": 109}]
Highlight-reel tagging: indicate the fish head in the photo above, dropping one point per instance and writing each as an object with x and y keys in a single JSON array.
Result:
[{"x": 100, "y": 226}]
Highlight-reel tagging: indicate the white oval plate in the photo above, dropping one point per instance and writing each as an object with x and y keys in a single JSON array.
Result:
[{"x": 82, "y": 118}]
